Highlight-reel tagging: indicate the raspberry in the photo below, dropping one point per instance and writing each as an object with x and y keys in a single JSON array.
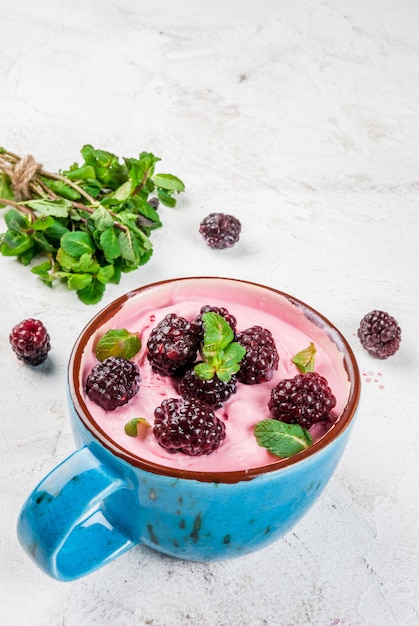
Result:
[
  {"x": 30, "y": 341},
  {"x": 183, "y": 425},
  {"x": 220, "y": 230},
  {"x": 379, "y": 334},
  {"x": 113, "y": 382},
  {"x": 212, "y": 392},
  {"x": 304, "y": 400},
  {"x": 230, "y": 319},
  {"x": 261, "y": 358},
  {"x": 173, "y": 344}
]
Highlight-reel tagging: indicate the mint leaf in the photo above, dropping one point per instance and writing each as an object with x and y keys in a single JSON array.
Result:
[
  {"x": 28, "y": 255},
  {"x": 15, "y": 243},
  {"x": 143, "y": 208},
  {"x": 16, "y": 221},
  {"x": 225, "y": 371},
  {"x": 42, "y": 242},
  {"x": 137, "y": 426},
  {"x": 67, "y": 261},
  {"x": 102, "y": 219},
  {"x": 123, "y": 192},
  {"x": 86, "y": 263},
  {"x": 217, "y": 332},
  {"x": 119, "y": 342},
  {"x": 304, "y": 360},
  {"x": 110, "y": 244},
  {"x": 93, "y": 293},
  {"x": 55, "y": 229},
  {"x": 42, "y": 269},
  {"x": 43, "y": 222},
  {"x": 281, "y": 439},
  {"x": 220, "y": 354},
  {"x": 228, "y": 361},
  {"x": 55, "y": 208},
  {"x": 204, "y": 371},
  {"x": 107, "y": 168},
  {"x": 78, "y": 281},
  {"x": 105, "y": 274},
  {"x": 168, "y": 182},
  {"x": 80, "y": 173},
  {"x": 129, "y": 247},
  {"x": 234, "y": 352},
  {"x": 62, "y": 189},
  {"x": 77, "y": 243},
  {"x": 6, "y": 190}
]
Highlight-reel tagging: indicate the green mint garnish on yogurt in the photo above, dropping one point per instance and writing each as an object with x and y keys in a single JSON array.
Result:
[
  {"x": 117, "y": 343},
  {"x": 221, "y": 355},
  {"x": 281, "y": 439},
  {"x": 137, "y": 426},
  {"x": 304, "y": 360}
]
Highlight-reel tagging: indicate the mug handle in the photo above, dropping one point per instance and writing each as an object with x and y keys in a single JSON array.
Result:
[{"x": 64, "y": 525}]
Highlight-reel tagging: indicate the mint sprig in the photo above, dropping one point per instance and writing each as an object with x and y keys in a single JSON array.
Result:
[
  {"x": 304, "y": 360},
  {"x": 88, "y": 224},
  {"x": 282, "y": 439},
  {"x": 221, "y": 355},
  {"x": 118, "y": 342}
]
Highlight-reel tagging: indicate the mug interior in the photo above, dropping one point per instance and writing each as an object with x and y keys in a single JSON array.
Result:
[{"x": 158, "y": 294}]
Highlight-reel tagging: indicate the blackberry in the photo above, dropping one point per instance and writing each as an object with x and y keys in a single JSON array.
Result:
[
  {"x": 113, "y": 382},
  {"x": 30, "y": 341},
  {"x": 183, "y": 425},
  {"x": 261, "y": 358},
  {"x": 220, "y": 230},
  {"x": 230, "y": 319},
  {"x": 379, "y": 334},
  {"x": 173, "y": 345},
  {"x": 304, "y": 400},
  {"x": 212, "y": 392}
]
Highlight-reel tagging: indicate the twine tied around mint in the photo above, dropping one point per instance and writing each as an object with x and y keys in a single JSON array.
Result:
[{"x": 21, "y": 173}]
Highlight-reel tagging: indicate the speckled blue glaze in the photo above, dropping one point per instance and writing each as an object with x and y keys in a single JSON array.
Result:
[
  {"x": 95, "y": 506},
  {"x": 101, "y": 501}
]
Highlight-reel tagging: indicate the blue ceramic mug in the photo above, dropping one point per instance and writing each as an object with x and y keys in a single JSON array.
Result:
[{"x": 103, "y": 500}]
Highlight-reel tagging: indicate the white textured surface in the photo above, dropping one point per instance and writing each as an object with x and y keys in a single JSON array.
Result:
[{"x": 302, "y": 119}]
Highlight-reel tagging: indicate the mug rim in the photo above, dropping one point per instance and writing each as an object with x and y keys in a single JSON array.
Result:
[{"x": 342, "y": 423}]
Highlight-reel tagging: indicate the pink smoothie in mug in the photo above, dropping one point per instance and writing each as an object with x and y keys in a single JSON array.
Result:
[
  {"x": 292, "y": 331},
  {"x": 116, "y": 491}
]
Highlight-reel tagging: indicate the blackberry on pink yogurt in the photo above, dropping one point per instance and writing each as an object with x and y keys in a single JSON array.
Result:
[
  {"x": 212, "y": 392},
  {"x": 173, "y": 344},
  {"x": 305, "y": 400},
  {"x": 261, "y": 358},
  {"x": 230, "y": 319},
  {"x": 188, "y": 426},
  {"x": 113, "y": 382}
]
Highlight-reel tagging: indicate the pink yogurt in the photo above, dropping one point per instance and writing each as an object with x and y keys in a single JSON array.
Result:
[{"x": 251, "y": 305}]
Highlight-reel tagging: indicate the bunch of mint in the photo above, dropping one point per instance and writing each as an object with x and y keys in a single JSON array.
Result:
[{"x": 88, "y": 224}]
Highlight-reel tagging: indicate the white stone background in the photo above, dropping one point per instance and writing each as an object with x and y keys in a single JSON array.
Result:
[{"x": 302, "y": 119}]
